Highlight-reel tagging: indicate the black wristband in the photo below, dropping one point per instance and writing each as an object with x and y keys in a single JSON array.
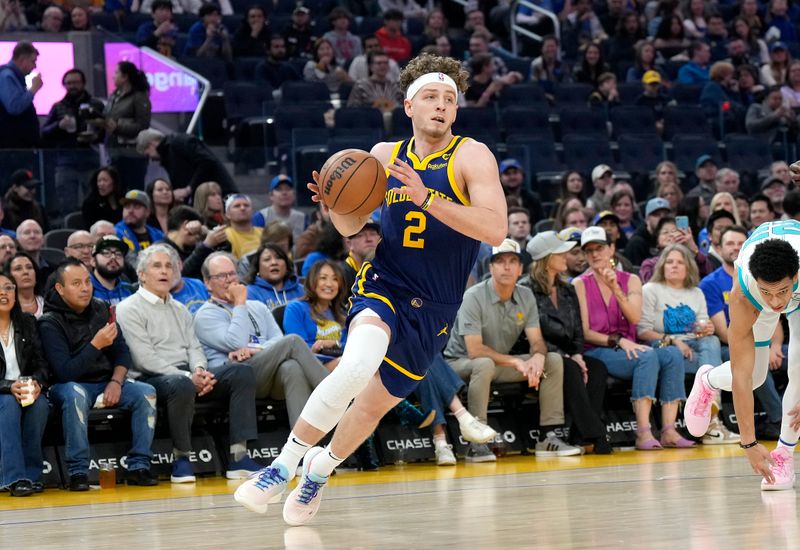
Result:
[
  {"x": 748, "y": 445},
  {"x": 117, "y": 381}
]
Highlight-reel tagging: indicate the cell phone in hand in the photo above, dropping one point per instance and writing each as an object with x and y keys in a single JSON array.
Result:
[
  {"x": 682, "y": 222},
  {"x": 112, "y": 315}
]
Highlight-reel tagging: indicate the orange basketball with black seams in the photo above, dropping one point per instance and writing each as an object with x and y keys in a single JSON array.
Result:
[{"x": 352, "y": 182}]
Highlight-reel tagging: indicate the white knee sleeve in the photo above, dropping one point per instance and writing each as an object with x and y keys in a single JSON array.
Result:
[
  {"x": 722, "y": 377},
  {"x": 363, "y": 354},
  {"x": 791, "y": 396}
]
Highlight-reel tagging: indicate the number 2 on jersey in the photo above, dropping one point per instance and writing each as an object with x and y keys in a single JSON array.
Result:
[{"x": 412, "y": 234}]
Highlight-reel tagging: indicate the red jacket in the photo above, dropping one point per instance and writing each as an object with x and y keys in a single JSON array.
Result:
[{"x": 396, "y": 47}]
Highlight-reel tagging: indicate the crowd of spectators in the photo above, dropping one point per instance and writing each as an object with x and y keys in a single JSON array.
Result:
[{"x": 610, "y": 276}]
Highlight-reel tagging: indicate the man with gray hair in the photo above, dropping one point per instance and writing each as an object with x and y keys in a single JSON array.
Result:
[
  {"x": 187, "y": 160},
  {"x": 727, "y": 181},
  {"x": 167, "y": 355},
  {"x": 101, "y": 228},
  {"x": 235, "y": 329}
]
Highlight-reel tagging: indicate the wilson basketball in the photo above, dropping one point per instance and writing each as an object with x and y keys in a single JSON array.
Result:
[{"x": 352, "y": 182}]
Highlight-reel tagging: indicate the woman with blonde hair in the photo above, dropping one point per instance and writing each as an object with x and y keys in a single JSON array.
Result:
[
  {"x": 208, "y": 201},
  {"x": 671, "y": 191}
]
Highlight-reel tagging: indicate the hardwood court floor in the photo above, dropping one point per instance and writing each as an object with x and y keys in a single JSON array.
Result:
[{"x": 704, "y": 499}]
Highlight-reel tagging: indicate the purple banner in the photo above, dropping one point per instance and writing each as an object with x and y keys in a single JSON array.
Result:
[{"x": 172, "y": 89}]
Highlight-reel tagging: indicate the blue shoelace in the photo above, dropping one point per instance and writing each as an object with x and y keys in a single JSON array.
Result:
[
  {"x": 308, "y": 491},
  {"x": 268, "y": 477}
]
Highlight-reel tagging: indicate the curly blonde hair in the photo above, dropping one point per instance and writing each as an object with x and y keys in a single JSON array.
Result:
[{"x": 427, "y": 63}]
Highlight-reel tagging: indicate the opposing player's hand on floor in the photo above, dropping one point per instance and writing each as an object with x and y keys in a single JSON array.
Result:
[
  {"x": 760, "y": 461},
  {"x": 314, "y": 187},
  {"x": 412, "y": 183}
]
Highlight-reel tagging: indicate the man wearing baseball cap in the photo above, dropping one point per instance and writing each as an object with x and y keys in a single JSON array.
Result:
[
  {"x": 512, "y": 177},
  {"x": 603, "y": 180},
  {"x": 133, "y": 229},
  {"x": 705, "y": 170},
  {"x": 20, "y": 201},
  {"x": 653, "y": 96},
  {"x": 109, "y": 263},
  {"x": 576, "y": 259},
  {"x": 491, "y": 319},
  {"x": 282, "y": 198},
  {"x": 642, "y": 244},
  {"x": 775, "y": 188}
]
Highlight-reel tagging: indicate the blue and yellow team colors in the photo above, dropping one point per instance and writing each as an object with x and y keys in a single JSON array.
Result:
[{"x": 417, "y": 279}]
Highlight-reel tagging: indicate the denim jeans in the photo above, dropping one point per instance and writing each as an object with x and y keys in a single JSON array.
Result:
[
  {"x": 662, "y": 367},
  {"x": 707, "y": 351},
  {"x": 75, "y": 399},
  {"x": 236, "y": 383},
  {"x": 21, "y": 431},
  {"x": 437, "y": 389}
]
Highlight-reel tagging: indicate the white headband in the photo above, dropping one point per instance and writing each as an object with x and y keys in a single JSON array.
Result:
[{"x": 430, "y": 78}]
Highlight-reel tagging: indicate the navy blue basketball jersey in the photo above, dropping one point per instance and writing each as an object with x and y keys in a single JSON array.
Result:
[{"x": 418, "y": 254}]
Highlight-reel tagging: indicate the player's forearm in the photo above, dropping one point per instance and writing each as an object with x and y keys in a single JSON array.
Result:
[
  {"x": 480, "y": 223},
  {"x": 742, "y": 363}
]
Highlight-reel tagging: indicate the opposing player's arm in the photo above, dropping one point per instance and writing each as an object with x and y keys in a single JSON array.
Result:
[
  {"x": 485, "y": 219},
  {"x": 743, "y": 355}
]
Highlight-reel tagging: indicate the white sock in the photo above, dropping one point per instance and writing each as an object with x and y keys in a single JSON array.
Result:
[
  {"x": 463, "y": 416},
  {"x": 324, "y": 463},
  {"x": 439, "y": 440},
  {"x": 292, "y": 453}
]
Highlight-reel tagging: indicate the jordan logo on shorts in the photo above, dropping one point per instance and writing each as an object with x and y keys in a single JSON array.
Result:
[{"x": 443, "y": 331}]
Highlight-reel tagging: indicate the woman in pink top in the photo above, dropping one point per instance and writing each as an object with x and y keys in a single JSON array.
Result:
[{"x": 611, "y": 306}]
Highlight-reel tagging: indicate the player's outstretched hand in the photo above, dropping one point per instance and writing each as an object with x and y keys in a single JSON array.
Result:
[
  {"x": 795, "y": 170},
  {"x": 760, "y": 461},
  {"x": 314, "y": 187},
  {"x": 412, "y": 183}
]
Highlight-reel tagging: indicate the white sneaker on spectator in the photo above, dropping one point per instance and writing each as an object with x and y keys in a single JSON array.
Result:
[
  {"x": 718, "y": 434},
  {"x": 552, "y": 446},
  {"x": 783, "y": 470},
  {"x": 479, "y": 452},
  {"x": 444, "y": 454},
  {"x": 476, "y": 431}
]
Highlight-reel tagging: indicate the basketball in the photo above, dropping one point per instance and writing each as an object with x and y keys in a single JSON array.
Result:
[{"x": 352, "y": 182}]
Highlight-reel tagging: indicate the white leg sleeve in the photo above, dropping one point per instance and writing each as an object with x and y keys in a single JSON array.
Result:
[
  {"x": 363, "y": 354},
  {"x": 792, "y": 395},
  {"x": 722, "y": 378}
]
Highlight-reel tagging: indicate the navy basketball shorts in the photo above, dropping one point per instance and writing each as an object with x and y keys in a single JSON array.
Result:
[{"x": 420, "y": 330}]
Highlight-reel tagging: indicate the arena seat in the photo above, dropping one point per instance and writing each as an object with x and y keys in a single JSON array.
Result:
[
  {"x": 686, "y": 149},
  {"x": 632, "y": 119},
  {"x": 583, "y": 121},
  {"x": 583, "y": 153}
]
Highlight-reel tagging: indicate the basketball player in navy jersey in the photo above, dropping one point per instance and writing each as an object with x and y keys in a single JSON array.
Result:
[{"x": 443, "y": 198}]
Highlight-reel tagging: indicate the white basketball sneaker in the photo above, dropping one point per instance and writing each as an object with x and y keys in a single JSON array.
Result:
[
  {"x": 697, "y": 412},
  {"x": 783, "y": 470},
  {"x": 263, "y": 488},
  {"x": 303, "y": 502}
]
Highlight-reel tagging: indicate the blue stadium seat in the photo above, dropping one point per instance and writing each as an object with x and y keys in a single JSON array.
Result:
[
  {"x": 686, "y": 149},
  {"x": 746, "y": 153},
  {"x": 525, "y": 95},
  {"x": 687, "y": 94},
  {"x": 107, "y": 21},
  {"x": 475, "y": 121},
  {"x": 348, "y": 119},
  {"x": 572, "y": 94},
  {"x": 538, "y": 154},
  {"x": 629, "y": 91},
  {"x": 244, "y": 68},
  {"x": 215, "y": 70},
  {"x": 530, "y": 121},
  {"x": 288, "y": 117},
  {"x": 685, "y": 120},
  {"x": 244, "y": 99},
  {"x": 640, "y": 153},
  {"x": 300, "y": 91},
  {"x": 632, "y": 119},
  {"x": 583, "y": 121},
  {"x": 583, "y": 153}
]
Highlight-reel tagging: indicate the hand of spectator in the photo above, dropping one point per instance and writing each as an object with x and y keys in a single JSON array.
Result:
[
  {"x": 707, "y": 329},
  {"x": 795, "y": 170},
  {"x": 578, "y": 358},
  {"x": 341, "y": 74},
  {"x": 320, "y": 345},
  {"x": 685, "y": 350},
  {"x": 203, "y": 381},
  {"x": 237, "y": 294},
  {"x": 216, "y": 237},
  {"x": 19, "y": 391},
  {"x": 36, "y": 83},
  {"x": 181, "y": 193},
  {"x": 111, "y": 125},
  {"x": 112, "y": 394},
  {"x": 37, "y": 389},
  {"x": 105, "y": 336},
  {"x": 535, "y": 372},
  {"x": 242, "y": 354},
  {"x": 164, "y": 28},
  {"x": 325, "y": 62},
  {"x": 631, "y": 349},
  {"x": 211, "y": 31},
  {"x": 684, "y": 237},
  {"x": 609, "y": 276},
  {"x": 760, "y": 461},
  {"x": 65, "y": 122},
  {"x": 775, "y": 357}
]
